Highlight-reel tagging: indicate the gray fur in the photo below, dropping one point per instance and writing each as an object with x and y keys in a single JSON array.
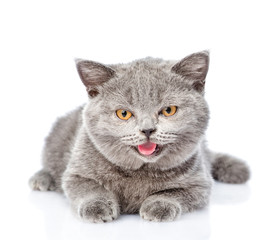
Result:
[
  {"x": 229, "y": 169},
  {"x": 91, "y": 154}
]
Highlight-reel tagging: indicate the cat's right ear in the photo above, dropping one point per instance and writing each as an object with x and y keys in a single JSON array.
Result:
[{"x": 93, "y": 74}]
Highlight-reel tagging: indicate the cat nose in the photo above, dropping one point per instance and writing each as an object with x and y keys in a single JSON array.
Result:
[{"x": 148, "y": 132}]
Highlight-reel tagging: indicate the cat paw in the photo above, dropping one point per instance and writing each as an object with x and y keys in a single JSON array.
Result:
[
  {"x": 160, "y": 210},
  {"x": 98, "y": 210},
  {"x": 42, "y": 181}
]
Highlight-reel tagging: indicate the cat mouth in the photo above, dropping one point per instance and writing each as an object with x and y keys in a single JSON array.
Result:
[{"x": 149, "y": 149}]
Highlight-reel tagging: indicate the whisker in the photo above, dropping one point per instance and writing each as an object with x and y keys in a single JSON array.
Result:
[
  {"x": 140, "y": 141},
  {"x": 167, "y": 137},
  {"x": 128, "y": 136},
  {"x": 162, "y": 140},
  {"x": 169, "y": 133},
  {"x": 129, "y": 139}
]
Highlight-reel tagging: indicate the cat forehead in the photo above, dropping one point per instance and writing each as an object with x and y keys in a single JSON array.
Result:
[
  {"x": 144, "y": 73},
  {"x": 144, "y": 68},
  {"x": 143, "y": 82}
]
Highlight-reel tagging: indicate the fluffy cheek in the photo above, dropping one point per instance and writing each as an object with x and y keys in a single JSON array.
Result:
[
  {"x": 106, "y": 130},
  {"x": 99, "y": 120},
  {"x": 183, "y": 132}
]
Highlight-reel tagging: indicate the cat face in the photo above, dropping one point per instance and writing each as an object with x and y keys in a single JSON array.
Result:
[{"x": 146, "y": 112}]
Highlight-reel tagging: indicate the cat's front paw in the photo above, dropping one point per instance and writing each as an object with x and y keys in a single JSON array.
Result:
[
  {"x": 99, "y": 210},
  {"x": 160, "y": 210}
]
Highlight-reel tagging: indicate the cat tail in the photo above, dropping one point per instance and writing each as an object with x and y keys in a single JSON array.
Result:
[{"x": 229, "y": 169}]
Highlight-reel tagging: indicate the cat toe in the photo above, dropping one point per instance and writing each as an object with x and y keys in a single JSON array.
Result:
[
  {"x": 98, "y": 210},
  {"x": 160, "y": 210}
]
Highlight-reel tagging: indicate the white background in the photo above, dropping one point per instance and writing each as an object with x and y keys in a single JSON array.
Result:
[{"x": 40, "y": 39}]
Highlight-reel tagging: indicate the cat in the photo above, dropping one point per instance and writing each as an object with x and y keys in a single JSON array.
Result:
[{"x": 138, "y": 145}]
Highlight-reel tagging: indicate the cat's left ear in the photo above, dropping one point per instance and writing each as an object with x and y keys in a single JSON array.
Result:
[
  {"x": 93, "y": 75},
  {"x": 194, "y": 68}
]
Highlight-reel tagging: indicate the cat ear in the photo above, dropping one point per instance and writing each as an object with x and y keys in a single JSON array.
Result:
[
  {"x": 194, "y": 67},
  {"x": 93, "y": 74}
]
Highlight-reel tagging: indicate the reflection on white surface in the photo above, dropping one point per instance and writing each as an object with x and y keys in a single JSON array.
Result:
[
  {"x": 230, "y": 193},
  {"x": 60, "y": 223}
]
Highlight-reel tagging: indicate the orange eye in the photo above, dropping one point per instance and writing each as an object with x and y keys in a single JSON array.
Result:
[
  {"x": 169, "y": 111},
  {"x": 123, "y": 114}
]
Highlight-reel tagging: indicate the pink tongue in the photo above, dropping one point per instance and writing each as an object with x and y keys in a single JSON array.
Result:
[{"x": 147, "y": 148}]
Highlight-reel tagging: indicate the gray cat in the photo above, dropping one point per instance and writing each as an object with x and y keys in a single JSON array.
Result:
[{"x": 138, "y": 145}]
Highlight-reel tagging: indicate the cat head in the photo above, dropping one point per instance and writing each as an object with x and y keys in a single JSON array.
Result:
[{"x": 149, "y": 111}]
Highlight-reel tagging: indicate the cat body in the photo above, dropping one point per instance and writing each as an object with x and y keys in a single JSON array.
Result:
[{"x": 138, "y": 145}]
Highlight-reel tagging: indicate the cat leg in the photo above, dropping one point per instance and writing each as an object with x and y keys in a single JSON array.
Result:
[
  {"x": 228, "y": 169},
  {"x": 169, "y": 204},
  {"x": 90, "y": 201},
  {"x": 42, "y": 181}
]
